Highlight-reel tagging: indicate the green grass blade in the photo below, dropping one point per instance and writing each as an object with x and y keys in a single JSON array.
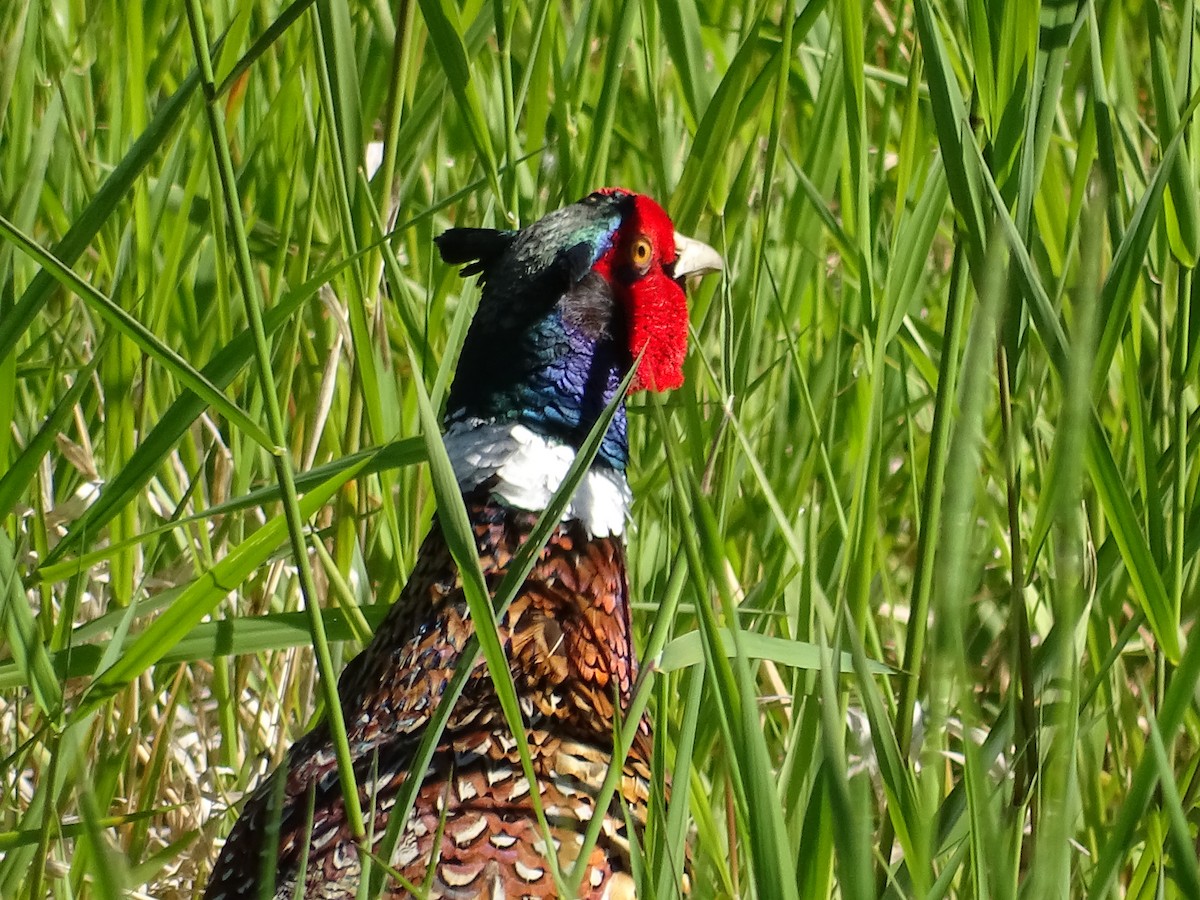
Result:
[
  {"x": 201, "y": 597},
  {"x": 17, "y": 320},
  {"x": 136, "y": 332},
  {"x": 686, "y": 650},
  {"x": 240, "y": 636},
  {"x": 21, "y": 628},
  {"x": 451, "y": 51},
  {"x": 21, "y": 473}
]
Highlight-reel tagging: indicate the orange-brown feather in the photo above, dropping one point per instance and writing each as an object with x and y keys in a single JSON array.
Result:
[{"x": 567, "y": 636}]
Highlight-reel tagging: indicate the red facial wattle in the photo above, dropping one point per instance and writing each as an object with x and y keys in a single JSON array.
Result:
[
  {"x": 657, "y": 317},
  {"x": 639, "y": 267}
]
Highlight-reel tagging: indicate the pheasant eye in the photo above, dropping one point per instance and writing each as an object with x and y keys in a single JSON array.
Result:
[{"x": 640, "y": 253}]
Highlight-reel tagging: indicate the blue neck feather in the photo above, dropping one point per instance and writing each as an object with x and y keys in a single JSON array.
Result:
[
  {"x": 554, "y": 378},
  {"x": 547, "y": 346}
]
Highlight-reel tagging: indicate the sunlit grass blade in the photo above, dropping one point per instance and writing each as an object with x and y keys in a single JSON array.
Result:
[
  {"x": 592, "y": 171},
  {"x": 1187, "y": 873},
  {"x": 21, "y": 473},
  {"x": 20, "y": 627},
  {"x": 1130, "y": 256},
  {"x": 202, "y": 596},
  {"x": 1182, "y": 206},
  {"x": 10, "y": 840},
  {"x": 948, "y": 665},
  {"x": 1115, "y": 500},
  {"x": 718, "y": 122},
  {"x": 448, "y": 44},
  {"x": 1060, "y": 772},
  {"x": 138, "y": 333},
  {"x": 241, "y": 636},
  {"x": 373, "y": 460},
  {"x": 18, "y": 319},
  {"x": 1145, "y": 777},
  {"x": 686, "y": 650},
  {"x": 220, "y": 370}
]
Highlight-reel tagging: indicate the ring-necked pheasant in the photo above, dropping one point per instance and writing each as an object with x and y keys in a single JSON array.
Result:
[{"x": 567, "y": 306}]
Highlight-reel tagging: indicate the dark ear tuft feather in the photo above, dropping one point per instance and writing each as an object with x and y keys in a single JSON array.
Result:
[
  {"x": 577, "y": 260},
  {"x": 477, "y": 246}
]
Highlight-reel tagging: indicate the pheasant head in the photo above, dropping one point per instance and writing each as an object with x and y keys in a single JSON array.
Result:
[{"x": 568, "y": 305}]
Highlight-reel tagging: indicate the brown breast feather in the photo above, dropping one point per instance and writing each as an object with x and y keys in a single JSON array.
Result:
[{"x": 568, "y": 639}]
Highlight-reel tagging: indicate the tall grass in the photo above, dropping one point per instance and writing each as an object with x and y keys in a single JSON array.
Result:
[{"x": 941, "y": 416}]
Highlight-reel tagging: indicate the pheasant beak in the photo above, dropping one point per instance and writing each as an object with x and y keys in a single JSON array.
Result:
[{"x": 694, "y": 257}]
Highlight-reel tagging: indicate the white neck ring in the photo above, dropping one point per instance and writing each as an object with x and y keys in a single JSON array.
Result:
[{"x": 530, "y": 467}]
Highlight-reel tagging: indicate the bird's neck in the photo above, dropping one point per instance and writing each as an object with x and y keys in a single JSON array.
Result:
[
  {"x": 520, "y": 409},
  {"x": 524, "y": 468}
]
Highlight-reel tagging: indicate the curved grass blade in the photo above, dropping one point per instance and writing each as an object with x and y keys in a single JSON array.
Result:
[
  {"x": 686, "y": 650},
  {"x": 20, "y": 626},
  {"x": 396, "y": 455},
  {"x": 11, "y": 840},
  {"x": 202, "y": 596},
  {"x": 451, "y": 51},
  {"x": 21, "y": 473},
  {"x": 222, "y": 369},
  {"x": 237, "y": 636},
  {"x": 20, "y": 316},
  {"x": 1120, "y": 835},
  {"x": 136, "y": 332}
]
